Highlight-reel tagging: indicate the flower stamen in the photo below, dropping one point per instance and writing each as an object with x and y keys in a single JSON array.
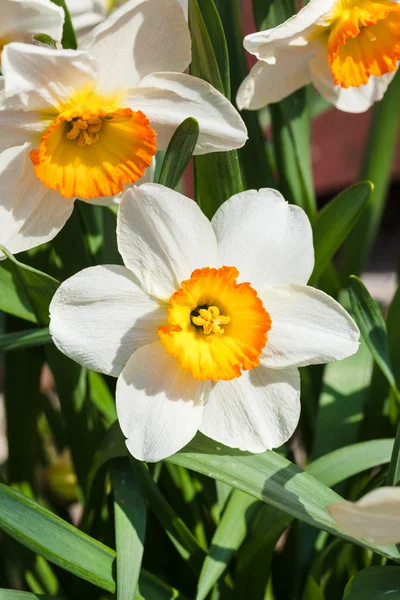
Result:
[
  {"x": 85, "y": 130},
  {"x": 210, "y": 319}
]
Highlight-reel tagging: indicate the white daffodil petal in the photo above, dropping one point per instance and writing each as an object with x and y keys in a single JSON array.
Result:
[
  {"x": 38, "y": 78},
  {"x": 140, "y": 37},
  {"x": 297, "y": 29},
  {"x": 30, "y": 213},
  {"x": 376, "y": 517},
  {"x": 270, "y": 83},
  {"x": 159, "y": 405},
  {"x": 167, "y": 99},
  {"x": 268, "y": 240},
  {"x": 148, "y": 177},
  {"x": 20, "y": 19},
  {"x": 256, "y": 412},
  {"x": 100, "y": 316},
  {"x": 163, "y": 237},
  {"x": 352, "y": 99},
  {"x": 308, "y": 327},
  {"x": 18, "y": 127},
  {"x": 185, "y": 8}
]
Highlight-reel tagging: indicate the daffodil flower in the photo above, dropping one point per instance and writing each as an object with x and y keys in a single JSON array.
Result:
[
  {"x": 206, "y": 323},
  {"x": 21, "y": 19},
  {"x": 87, "y": 123},
  {"x": 349, "y": 50},
  {"x": 375, "y": 517}
]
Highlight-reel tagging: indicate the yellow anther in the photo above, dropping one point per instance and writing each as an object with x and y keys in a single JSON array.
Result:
[
  {"x": 211, "y": 320},
  {"x": 86, "y": 131}
]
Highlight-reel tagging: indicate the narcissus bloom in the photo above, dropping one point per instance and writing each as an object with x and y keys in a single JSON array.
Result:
[
  {"x": 376, "y": 517},
  {"x": 349, "y": 50},
  {"x": 21, "y": 19},
  {"x": 86, "y": 123},
  {"x": 207, "y": 323}
]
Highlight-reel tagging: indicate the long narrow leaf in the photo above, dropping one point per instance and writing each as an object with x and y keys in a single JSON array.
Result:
[
  {"x": 61, "y": 543},
  {"x": 21, "y": 340},
  {"x": 179, "y": 153},
  {"x": 272, "y": 479},
  {"x": 130, "y": 525},
  {"x": 333, "y": 224},
  {"x": 372, "y": 326}
]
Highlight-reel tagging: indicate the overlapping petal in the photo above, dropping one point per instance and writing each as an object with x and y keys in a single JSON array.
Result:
[
  {"x": 137, "y": 39},
  {"x": 169, "y": 98},
  {"x": 163, "y": 237},
  {"x": 352, "y": 99},
  {"x": 20, "y": 19},
  {"x": 268, "y": 83},
  {"x": 308, "y": 327},
  {"x": 30, "y": 214},
  {"x": 267, "y": 239},
  {"x": 38, "y": 78},
  {"x": 375, "y": 517},
  {"x": 160, "y": 406},
  {"x": 256, "y": 412},
  {"x": 295, "y": 31},
  {"x": 100, "y": 316}
]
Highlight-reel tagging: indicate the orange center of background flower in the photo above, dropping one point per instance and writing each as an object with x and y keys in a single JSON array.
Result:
[
  {"x": 364, "y": 40},
  {"x": 94, "y": 152},
  {"x": 217, "y": 327}
]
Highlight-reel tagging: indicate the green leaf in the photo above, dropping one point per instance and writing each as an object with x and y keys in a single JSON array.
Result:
[
  {"x": 14, "y": 595},
  {"x": 22, "y": 404},
  {"x": 377, "y": 167},
  {"x": 38, "y": 287},
  {"x": 375, "y": 583},
  {"x": 334, "y": 223},
  {"x": 255, "y": 555},
  {"x": 179, "y": 153},
  {"x": 270, "y": 13},
  {"x": 21, "y": 340},
  {"x": 213, "y": 27},
  {"x": 291, "y": 141},
  {"x": 344, "y": 388},
  {"x": 255, "y": 166},
  {"x": 151, "y": 588},
  {"x": 372, "y": 326},
  {"x": 342, "y": 464},
  {"x": 130, "y": 526},
  {"x": 51, "y": 537},
  {"x": 13, "y": 297},
  {"x": 179, "y": 534},
  {"x": 217, "y": 175},
  {"x": 229, "y": 535},
  {"x": 272, "y": 479},
  {"x": 69, "y": 37},
  {"x": 101, "y": 397}
]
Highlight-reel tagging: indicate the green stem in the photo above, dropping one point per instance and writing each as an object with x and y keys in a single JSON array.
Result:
[{"x": 376, "y": 168}]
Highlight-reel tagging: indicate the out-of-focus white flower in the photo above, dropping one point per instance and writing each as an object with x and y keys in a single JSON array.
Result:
[
  {"x": 207, "y": 323},
  {"x": 376, "y": 517},
  {"x": 349, "y": 50},
  {"x": 21, "y": 19},
  {"x": 86, "y": 123},
  {"x": 86, "y": 14}
]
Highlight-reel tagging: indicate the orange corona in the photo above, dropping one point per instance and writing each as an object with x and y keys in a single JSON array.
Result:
[
  {"x": 90, "y": 151},
  {"x": 364, "y": 40},
  {"x": 217, "y": 327}
]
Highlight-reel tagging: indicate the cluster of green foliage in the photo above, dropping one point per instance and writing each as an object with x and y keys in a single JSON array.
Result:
[{"x": 210, "y": 522}]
